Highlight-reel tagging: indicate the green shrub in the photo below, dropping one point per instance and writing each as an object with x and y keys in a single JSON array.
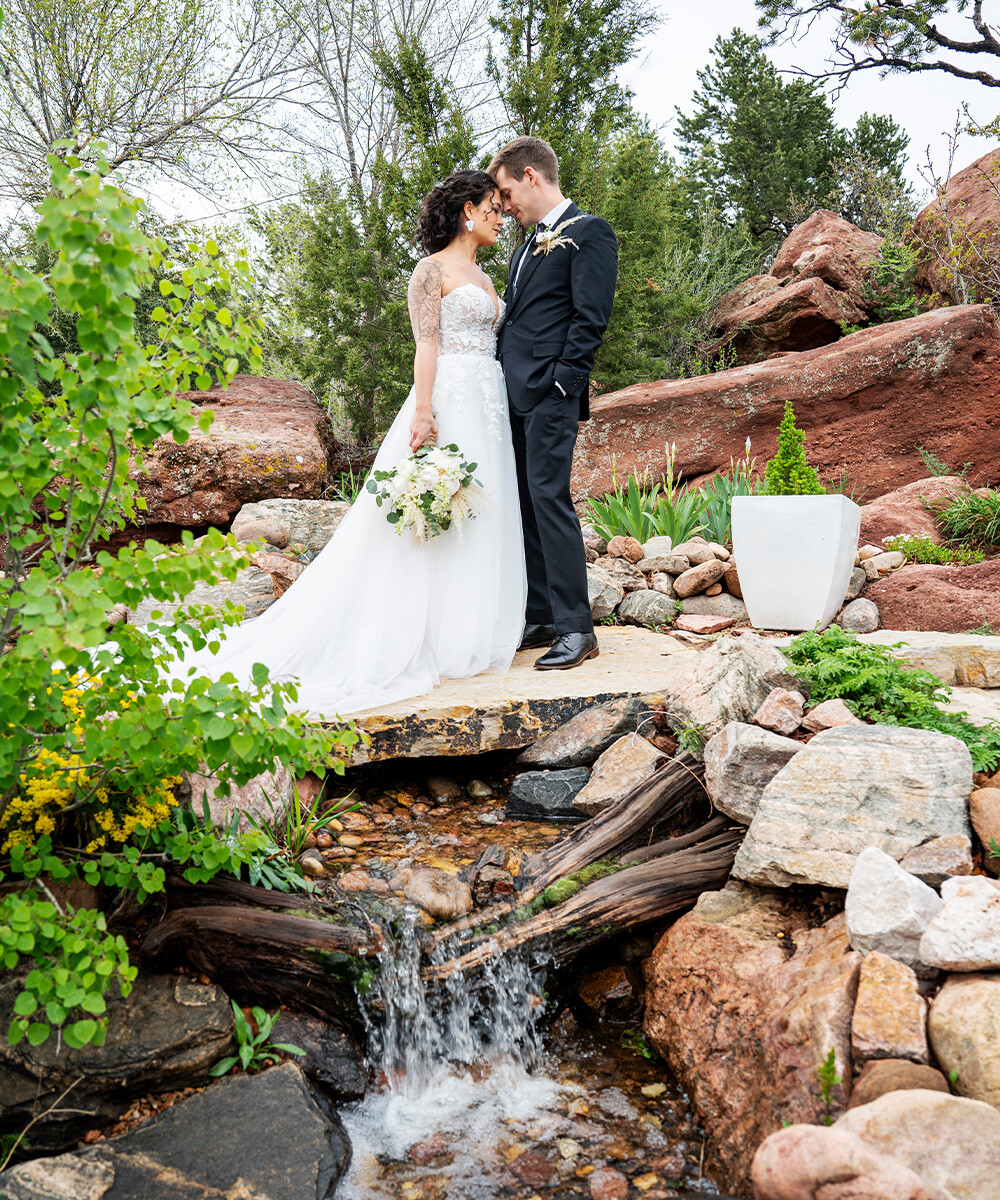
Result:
[
  {"x": 877, "y": 687},
  {"x": 974, "y": 517},
  {"x": 789, "y": 472},
  {"x": 923, "y": 550}
]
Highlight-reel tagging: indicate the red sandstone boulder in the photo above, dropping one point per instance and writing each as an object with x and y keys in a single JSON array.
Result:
[
  {"x": 905, "y": 509},
  {"x": 950, "y": 599},
  {"x": 966, "y": 224},
  {"x": 745, "y": 1001},
  {"x": 827, "y": 247},
  {"x": 269, "y": 439},
  {"x": 864, "y": 404}
]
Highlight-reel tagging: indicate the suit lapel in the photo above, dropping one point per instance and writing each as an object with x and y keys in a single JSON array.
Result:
[{"x": 531, "y": 266}]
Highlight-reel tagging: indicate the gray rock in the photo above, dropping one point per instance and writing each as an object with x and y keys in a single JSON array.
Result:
[
  {"x": 309, "y": 522},
  {"x": 164, "y": 1035},
  {"x": 941, "y": 857},
  {"x": 546, "y": 795},
  {"x": 333, "y": 1061},
  {"x": 964, "y": 1028},
  {"x": 860, "y": 616},
  {"x": 626, "y": 574},
  {"x": 715, "y": 606},
  {"x": 603, "y": 592},
  {"x": 252, "y": 587},
  {"x": 662, "y": 582},
  {"x": 584, "y": 738},
  {"x": 740, "y": 762},
  {"x": 965, "y": 933},
  {"x": 856, "y": 586},
  {"x": 727, "y": 682},
  {"x": 850, "y": 788},
  {"x": 203, "y": 1148},
  {"x": 888, "y": 909},
  {"x": 649, "y": 608},
  {"x": 672, "y": 564},
  {"x": 655, "y": 546}
]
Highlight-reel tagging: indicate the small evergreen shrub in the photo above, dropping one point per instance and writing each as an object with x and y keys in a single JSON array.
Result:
[{"x": 789, "y": 472}]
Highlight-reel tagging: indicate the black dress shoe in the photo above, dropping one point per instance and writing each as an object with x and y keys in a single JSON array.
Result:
[
  {"x": 568, "y": 650},
  {"x": 537, "y": 635}
]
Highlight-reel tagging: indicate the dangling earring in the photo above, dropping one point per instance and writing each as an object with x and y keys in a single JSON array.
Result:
[{"x": 470, "y": 225}]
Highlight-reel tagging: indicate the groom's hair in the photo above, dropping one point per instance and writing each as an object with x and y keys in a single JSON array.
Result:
[{"x": 526, "y": 152}]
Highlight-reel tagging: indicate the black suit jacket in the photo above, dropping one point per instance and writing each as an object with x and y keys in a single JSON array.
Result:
[{"x": 557, "y": 316}]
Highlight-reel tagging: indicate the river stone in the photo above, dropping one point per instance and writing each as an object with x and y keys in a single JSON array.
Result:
[
  {"x": 887, "y": 908},
  {"x": 812, "y": 1162},
  {"x": 310, "y": 523},
  {"x": 850, "y": 788},
  {"x": 859, "y": 577},
  {"x": 952, "y": 1143},
  {"x": 650, "y": 608},
  {"x": 964, "y": 1029},
  {"x": 941, "y": 857},
  {"x": 781, "y": 711},
  {"x": 166, "y": 1034},
  {"x": 267, "y": 795},
  {"x": 585, "y": 737},
  {"x": 890, "y": 1015},
  {"x": 695, "y": 552},
  {"x": 662, "y": 582},
  {"x": 604, "y": 593},
  {"x": 696, "y": 579},
  {"x": 671, "y": 564},
  {"x": 656, "y": 546},
  {"x": 715, "y": 606},
  {"x": 439, "y": 894},
  {"x": 620, "y": 768},
  {"x": 727, "y": 682},
  {"x": 859, "y": 616},
  {"x": 881, "y": 1076},
  {"x": 740, "y": 761},
  {"x": 206, "y": 1147},
  {"x": 965, "y": 933},
  {"x": 546, "y": 795}
]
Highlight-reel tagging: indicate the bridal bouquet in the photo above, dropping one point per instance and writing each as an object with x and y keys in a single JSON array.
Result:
[{"x": 428, "y": 491}]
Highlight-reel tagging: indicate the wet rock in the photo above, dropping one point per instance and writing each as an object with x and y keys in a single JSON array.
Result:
[
  {"x": 533, "y": 1168},
  {"x": 887, "y": 908},
  {"x": 831, "y": 714},
  {"x": 781, "y": 712},
  {"x": 309, "y": 523},
  {"x": 442, "y": 896},
  {"x": 727, "y": 682},
  {"x": 164, "y": 1035},
  {"x": 312, "y": 864},
  {"x": 810, "y": 1162},
  {"x": 965, "y": 933},
  {"x": 850, "y": 788},
  {"x": 881, "y": 1076},
  {"x": 604, "y": 593},
  {"x": 478, "y": 789},
  {"x": 890, "y": 1015},
  {"x": 608, "y": 1184},
  {"x": 333, "y": 1060},
  {"x": 941, "y": 857},
  {"x": 609, "y": 993},
  {"x": 740, "y": 762},
  {"x": 952, "y": 1143},
  {"x": 964, "y": 1029},
  {"x": 697, "y": 579},
  {"x": 584, "y": 738},
  {"x": 984, "y": 811},
  {"x": 443, "y": 789},
  {"x": 859, "y": 616},
  {"x": 743, "y": 1000},
  {"x": 544, "y": 795},
  {"x": 432, "y": 1150},
  {"x": 203, "y": 1148},
  {"x": 650, "y": 608},
  {"x": 621, "y": 767}
]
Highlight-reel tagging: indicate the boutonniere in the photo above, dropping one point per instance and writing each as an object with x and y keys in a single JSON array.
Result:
[{"x": 551, "y": 239}]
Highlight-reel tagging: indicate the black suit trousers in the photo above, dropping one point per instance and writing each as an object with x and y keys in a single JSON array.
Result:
[{"x": 544, "y": 438}]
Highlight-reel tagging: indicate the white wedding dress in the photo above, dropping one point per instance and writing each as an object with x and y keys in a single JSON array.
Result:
[{"x": 378, "y": 617}]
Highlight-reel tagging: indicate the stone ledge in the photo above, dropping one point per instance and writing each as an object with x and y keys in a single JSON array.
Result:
[{"x": 957, "y": 659}]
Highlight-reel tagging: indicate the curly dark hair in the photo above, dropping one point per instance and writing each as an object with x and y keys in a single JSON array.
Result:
[{"x": 441, "y": 212}]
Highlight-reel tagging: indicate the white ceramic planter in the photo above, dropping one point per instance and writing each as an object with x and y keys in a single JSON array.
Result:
[{"x": 794, "y": 555}]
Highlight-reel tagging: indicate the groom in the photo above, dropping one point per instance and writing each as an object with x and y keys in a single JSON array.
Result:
[{"x": 559, "y": 294}]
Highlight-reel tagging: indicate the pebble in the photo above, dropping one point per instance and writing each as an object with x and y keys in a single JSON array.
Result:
[
  {"x": 608, "y": 1184},
  {"x": 354, "y": 881},
  {"x": 351, "y": 839},
  {"x": 312, "y": 864},
  {"x": 478, "y": 789},
  {"x": 324, "y": 839},
  {"x": 441, "y": 787}
]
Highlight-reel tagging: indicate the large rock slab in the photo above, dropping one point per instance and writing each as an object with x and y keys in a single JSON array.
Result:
[
  {"x": 947, "y": 598},
  {"x": 965, "y": 934},
  {"x": 252, "y": 1137},
  {"x": 887, "y": 909},
  {"x": 165, "y": 1035},
  {"x": 269, "y": 438},
  {"x": 744, "y": 1024},
  {"x": 740, "y": 761},
  {"x": 950, "y": 1142},
  {"x": 623, "y": 766},
  {"x": 864, "y": 403},
  {"x": 853, "y": 787},
  {"x": 825, "y": 246},
  {"x": 904, "y": 510},
  {"x": 964, "y": 1029},
  {"x": 957, "y": 659},
  {"x": 310, "y": 523},
  {"x": 585, "y": 737},
  {"x": 253, "y": 588}
]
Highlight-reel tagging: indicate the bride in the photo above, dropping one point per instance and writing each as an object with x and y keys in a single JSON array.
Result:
[{"x": 378, "y": 617}]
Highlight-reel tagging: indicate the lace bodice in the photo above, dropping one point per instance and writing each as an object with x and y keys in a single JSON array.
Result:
[{"x": 469, "y": 322}]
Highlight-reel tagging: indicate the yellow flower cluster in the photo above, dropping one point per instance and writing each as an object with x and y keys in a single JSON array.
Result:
[{"x": 58, "y": 778}]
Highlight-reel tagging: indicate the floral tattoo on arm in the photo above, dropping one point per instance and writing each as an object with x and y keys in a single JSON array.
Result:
[{"x": 423, "y": 299}]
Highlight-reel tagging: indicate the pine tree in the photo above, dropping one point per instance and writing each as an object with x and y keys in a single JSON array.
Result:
[{"x": 789, "y": 472}]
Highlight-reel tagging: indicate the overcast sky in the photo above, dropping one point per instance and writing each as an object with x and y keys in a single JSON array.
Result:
[{"x": 665, "y": 76}]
